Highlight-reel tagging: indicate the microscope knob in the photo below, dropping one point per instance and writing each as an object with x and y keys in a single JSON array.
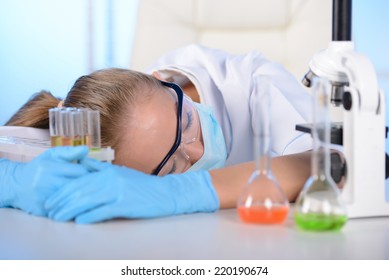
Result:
[
  {"x": 347, "y": 101},
  {"x": 338, "y": 167}
]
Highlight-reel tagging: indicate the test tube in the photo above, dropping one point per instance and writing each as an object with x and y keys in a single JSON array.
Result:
[
  {"x": 73, "y": 127},
  {"x": 66, "y": 126},
  {"x": 76, "y": 127},
  {"x": 54, "y": 127},
  {"x": 92, "y": 133}
]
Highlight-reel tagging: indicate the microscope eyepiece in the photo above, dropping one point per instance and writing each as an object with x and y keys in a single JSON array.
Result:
[{"x": 308, "y": 78}]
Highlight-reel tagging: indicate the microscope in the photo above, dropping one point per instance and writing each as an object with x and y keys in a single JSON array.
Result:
[{"x": 354, "y": 86}]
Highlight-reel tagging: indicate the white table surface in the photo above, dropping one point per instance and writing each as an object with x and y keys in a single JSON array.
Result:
[{"x": 219, "y": 235}]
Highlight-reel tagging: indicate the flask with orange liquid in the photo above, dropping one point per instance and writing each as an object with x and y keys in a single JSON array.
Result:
[{"x": 262, "y": 201}]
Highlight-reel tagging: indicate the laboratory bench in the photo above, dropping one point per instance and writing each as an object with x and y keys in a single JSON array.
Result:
[{"x": 216, "y": 236}]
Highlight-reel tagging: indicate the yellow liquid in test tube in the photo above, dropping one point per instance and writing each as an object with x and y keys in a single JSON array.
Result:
[
  {"x": 75, "y": 127},
  {"x": 88, "y": 140},
  {"x": 56, "y": 141},
  {"x": 78, "y": 141}
]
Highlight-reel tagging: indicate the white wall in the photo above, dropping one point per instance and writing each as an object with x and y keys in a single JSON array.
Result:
[{"x": 45, "y": 45}]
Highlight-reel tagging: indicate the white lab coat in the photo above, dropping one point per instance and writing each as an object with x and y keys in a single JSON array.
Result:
[{"x": 225, "y": 83}]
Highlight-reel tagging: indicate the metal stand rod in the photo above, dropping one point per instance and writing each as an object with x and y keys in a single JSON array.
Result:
[{"x": 341, "y": 20}]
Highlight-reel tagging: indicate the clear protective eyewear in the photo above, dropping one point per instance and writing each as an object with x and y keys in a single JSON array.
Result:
[{"x": 188, "y": 128}]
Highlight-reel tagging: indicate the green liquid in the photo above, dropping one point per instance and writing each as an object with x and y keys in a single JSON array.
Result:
[{"x": 320, "y": 222}]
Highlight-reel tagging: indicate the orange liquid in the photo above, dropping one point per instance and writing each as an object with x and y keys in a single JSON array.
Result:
[
  {"x": 263, "y": 215},
  {"x": 66, "y": 141}
]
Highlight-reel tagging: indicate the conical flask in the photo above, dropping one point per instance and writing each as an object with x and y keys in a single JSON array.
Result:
[
  {"x": 319, "y": 206},
  {"x": 262, "y": 200}
]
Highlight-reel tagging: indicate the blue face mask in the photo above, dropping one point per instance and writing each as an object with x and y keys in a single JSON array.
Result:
[{"x": 215, "y": 152}]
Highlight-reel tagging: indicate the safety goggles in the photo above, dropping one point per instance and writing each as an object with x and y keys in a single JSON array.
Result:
[{"x": 188, "y": 128}]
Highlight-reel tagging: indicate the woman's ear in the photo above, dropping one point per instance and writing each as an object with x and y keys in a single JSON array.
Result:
[{"x": 158, "y": 76}]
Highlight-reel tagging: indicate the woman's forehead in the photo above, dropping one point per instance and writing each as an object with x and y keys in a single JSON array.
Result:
[{"x": 151, "y": 132}]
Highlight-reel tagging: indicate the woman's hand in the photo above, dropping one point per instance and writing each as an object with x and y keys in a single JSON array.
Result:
[
  {"x": 119, "y": 192},
  {"x": 27, "y": 185}
]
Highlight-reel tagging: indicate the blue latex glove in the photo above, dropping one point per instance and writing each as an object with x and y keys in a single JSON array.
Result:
[
  {"x": 28, "y": 185},
  {"x": 120, "y": 192}
]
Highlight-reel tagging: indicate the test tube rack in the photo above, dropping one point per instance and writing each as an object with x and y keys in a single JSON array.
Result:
[{"x": 68, "y": 127}]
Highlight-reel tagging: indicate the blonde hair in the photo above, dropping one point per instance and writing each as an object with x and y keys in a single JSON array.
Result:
[{"x": 112, "y": 91}]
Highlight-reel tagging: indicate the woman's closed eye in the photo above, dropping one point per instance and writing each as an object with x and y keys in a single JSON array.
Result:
[{"x": 189, "y": 122}]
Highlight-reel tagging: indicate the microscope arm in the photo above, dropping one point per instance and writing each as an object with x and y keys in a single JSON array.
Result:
[{"x": 362, "y": 78}]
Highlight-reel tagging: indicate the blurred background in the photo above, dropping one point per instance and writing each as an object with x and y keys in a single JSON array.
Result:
[{"x": 48, "y": 44}]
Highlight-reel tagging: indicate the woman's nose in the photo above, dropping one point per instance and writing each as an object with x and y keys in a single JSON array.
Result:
[{"x": 195, "y": 151}]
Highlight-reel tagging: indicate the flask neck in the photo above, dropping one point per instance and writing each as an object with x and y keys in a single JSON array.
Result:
[
  {"x": 321, "y": 162},
  {"x": 321, "y": 130},
  {"x": 260, "y": 104},
  {"x": 263, "y": 161}
]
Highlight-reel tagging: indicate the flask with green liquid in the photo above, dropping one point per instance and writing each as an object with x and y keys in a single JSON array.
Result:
[{"x": 319, "y": 206}]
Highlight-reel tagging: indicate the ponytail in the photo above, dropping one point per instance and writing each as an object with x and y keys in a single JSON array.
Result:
[{"x": 35, "y": 112}]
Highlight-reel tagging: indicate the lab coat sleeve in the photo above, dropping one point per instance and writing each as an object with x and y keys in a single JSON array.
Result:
[
  {"x": 285, "y": 138},
  {"x": 291, "y": 105}
]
